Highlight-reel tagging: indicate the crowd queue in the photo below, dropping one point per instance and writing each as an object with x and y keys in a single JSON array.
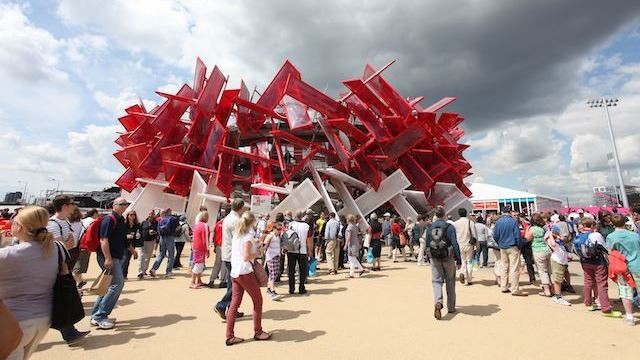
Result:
[{"x": 254, "y": 250}]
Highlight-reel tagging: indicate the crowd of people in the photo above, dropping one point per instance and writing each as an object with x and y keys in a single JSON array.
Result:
[{"x": 254, "y": 250}]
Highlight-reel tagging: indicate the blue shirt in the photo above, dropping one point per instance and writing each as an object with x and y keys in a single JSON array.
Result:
[
  {"x": 451, "y": 235},
  {"x": 506, "y": 232},
  {"x": 117, "y": 234}
]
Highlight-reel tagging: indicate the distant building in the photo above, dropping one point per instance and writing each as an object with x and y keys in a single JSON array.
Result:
[
  {"x": 13, "y": 197},
  {"x": 491, "y": 199},
  {"x": 610, "y": 195}
]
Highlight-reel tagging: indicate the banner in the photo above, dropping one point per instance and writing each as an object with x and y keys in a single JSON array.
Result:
[{"x": 260, "y": 204}]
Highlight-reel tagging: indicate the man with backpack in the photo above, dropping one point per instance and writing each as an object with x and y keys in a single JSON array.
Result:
[
  {"x": 442, "y": 244},
  {"x": 167, "y": 229},
  {"x": 299, "y": 255}
]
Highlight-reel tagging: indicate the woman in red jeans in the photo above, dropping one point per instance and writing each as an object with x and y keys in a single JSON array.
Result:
[{"x": 245, "y": 248}]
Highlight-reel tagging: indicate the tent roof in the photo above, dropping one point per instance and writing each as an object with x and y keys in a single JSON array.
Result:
[{"x": 483, "y": 191}]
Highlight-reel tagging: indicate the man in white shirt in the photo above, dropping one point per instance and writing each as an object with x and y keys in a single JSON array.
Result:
[
  {"x": 82, "y": 264},
  {"x": 59, "y": 227},
  {"x": 465, "y": 231},
  {"x": 331, "y": 229},
  {"x": 228, "y": 228},
  {"x": 301, "y": 257}
]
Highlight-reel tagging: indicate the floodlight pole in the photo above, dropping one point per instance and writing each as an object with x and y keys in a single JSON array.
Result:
[{"x": 606, "y": 103}]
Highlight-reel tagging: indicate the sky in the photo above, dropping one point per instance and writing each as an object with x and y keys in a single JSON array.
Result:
[{"x": 522, "y": 72}]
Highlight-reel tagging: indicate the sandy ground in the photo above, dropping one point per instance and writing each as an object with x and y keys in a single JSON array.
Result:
[{"x": 383, "y": 315}]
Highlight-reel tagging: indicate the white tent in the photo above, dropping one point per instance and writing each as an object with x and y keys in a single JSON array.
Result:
[{"x": 488, "y": 197}]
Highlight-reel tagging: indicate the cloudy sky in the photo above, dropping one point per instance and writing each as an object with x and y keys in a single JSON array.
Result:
[{"x": 522, "y": 72}]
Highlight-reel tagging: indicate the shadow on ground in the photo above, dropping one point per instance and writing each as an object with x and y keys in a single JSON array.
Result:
[
  {"x": 151, "y": 322},
  {"x": 295, "y": 335},
  {"x": 280, "y": 315},
  {"x": 478, "y": 310},
  {"x": 326, "y": 291},
  {"x": 98, "y": 340}
]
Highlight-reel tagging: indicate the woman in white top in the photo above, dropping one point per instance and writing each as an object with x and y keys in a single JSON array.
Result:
[
  {"x": 27, "y": 274},
  {"x": 272, "y": 256},
  {"x": 245, "y": 248}
]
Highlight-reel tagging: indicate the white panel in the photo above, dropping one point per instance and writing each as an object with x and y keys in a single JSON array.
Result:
[
  {"x": 350, "y": 206},
  {"x": 213, "y": 207},
  {"x": 148, "y": 199},
  {"x": 402, "y": 206},
  {"x": 323, "y": 191},
  {"x": 158, "y": 182},
  {"x": 269, "y": 187},
  {"x": 198, "y": 186},
  {"x": 389, "y": 187},
  {"x": 177, "y": 203},
  {"x": 301, "y": 198},
  {"x": 345, "y": 178}
]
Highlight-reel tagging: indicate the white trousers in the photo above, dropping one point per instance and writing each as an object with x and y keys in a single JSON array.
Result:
[
  {"x": 32, "y": 333},
  {"x": 353, "y": 264}
]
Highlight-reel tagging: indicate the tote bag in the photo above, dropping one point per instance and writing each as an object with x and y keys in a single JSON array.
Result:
[{"x": 67, "y": 305}]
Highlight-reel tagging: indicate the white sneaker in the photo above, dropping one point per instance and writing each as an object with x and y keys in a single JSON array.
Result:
[
  {"x": 105, "y": 324},
  {"x": 96, "y": 323},
  {"x": 275, "y": 296},
  {"x": 561, "y": 301},
  {"x": 631, "y": 321}
]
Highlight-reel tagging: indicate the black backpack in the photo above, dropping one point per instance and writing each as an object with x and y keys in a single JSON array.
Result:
[
  {"x": 440, "y": 243},
  {"x": 179, "y": 230}
]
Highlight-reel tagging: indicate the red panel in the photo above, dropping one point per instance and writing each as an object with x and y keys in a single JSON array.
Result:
[
  {"x": 207, "y": 101},
  {"x": 390, "y": 96},
  {"x": 224, "y": 177},
  {"x": 367, "y": 172},
  {"x": 367, "y": 96},
  {"x": 226, "y": 105},
  {"x": 335, "y": 142},
  {"x": 415, "y": 173},
  {"x": 127, "y": 181},
  {"x": 395, "y": 124},
  {"x": 440, "y": 104},
  {"x": 123, "y": 140},
  {"x": 136, "y": 154},
  {"x": 405, "y": 141},
  {"x": 198, "y": 84},
  {"x": 121, "y": 156},
  {"x": 143, "y": 134},
  {"x": 215, "y": 138},
  {"x": 171, "y": 111},
  {"x": 351, "y": 131},
  {"x": 368, "y": 119},
  {"x": 315, "y": 99},
  {"x": 243, "y": 121},
  {"x": 130, "y": 122},
  {"x": 275, "y": 91}
]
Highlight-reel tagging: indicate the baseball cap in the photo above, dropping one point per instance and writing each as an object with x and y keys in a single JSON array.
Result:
[
  {"x": 387, "y": 214},
  {"x": 580, "y": 211}
]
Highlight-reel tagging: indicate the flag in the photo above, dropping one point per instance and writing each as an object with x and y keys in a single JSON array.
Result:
[{"x": 609, "y": 156}]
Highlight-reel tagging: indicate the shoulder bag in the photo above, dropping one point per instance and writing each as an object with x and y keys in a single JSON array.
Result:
[{"x": 67, "y": 305}]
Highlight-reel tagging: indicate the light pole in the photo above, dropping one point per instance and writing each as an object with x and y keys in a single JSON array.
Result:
[
  {"x": 606, "y": 103},
  {"x": 24, "y": 192}
]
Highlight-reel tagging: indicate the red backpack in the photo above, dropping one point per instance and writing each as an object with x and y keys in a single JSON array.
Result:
[{"x": 90, "y": 240}]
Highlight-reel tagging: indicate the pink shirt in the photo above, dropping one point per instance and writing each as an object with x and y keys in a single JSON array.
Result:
[{"x": 201, "y": 237}]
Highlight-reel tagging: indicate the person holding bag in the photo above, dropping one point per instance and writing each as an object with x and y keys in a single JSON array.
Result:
[
  {"x": 28, "y": 272},
  {"x": 244, "y": 250}
]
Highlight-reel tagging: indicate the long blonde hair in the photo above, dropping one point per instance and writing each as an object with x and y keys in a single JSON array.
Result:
[
  {"x": 245, "y": 223},
  {"x": 34, "y": 220}
]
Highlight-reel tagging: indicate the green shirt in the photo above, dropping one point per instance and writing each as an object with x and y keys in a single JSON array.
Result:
[
  {"x": 538, "y": 245},
  {"x": 628, "y": 243}
]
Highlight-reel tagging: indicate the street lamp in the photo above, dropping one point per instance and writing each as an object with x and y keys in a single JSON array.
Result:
[{"x": 606, "y": 103}]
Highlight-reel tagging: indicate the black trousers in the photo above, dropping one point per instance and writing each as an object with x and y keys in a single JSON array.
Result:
[
  {"x": 303, "y": 265},
  {"x": 176, "y": 261},
  {"x": 527, "y": 253},
  {"x": 341, "y": 256}
]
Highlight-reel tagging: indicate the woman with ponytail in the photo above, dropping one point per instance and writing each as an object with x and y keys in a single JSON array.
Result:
[
  {"x": 27, "y": 274},
  {"x": 245, "y": 248}
]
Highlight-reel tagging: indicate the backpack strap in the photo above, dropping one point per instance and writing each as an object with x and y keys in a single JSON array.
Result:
[{"x": 60, "y": 226}]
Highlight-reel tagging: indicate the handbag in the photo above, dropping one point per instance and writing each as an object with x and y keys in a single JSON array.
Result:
[
  {"x": 101, "y": 284},
  {"x": 403, "y": 239},
  {"x": 67, "y": 305},
  {"x": 260, "y": 273},
  {"x": 472, "y": 240}
]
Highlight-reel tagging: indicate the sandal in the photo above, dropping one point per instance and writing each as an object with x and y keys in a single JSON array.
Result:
[
  {"x": 234, "y": 340},
  {"x": 262, "y": 336}
]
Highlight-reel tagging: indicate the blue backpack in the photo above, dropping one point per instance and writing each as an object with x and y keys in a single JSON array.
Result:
[{"x": 584, "y": 247}]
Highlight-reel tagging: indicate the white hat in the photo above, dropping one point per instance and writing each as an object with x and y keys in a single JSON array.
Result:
[{"x": 387, "y": 214}]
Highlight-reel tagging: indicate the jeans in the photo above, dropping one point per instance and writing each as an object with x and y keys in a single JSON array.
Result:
[
  {"x": 176, "y": 261},
  {"x": 125, "y": 263},
  {"x": 443, "y": 271},
  {"x": 527, "y": 254},
  {"x": 484, "y": 251},
  {"x": 224, "y": 303},
  {"x": 168, "y": 249},
  {"x": 303, "y": 264},
  {"x": 242, "y": 283},
  {"x": 104, "y": 304}
]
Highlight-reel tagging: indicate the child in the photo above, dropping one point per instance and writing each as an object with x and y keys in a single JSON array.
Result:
[
  {"x": 200, "y": 250},
  {"x": 559, "y": 263},
  {"x": 628, "y": 244},
  {"x": 272, "y": 257},
  {"x": 595, "y": 270}
]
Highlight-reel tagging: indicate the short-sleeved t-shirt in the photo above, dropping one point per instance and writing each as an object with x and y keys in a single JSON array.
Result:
[
  {"x": 116, "y": 234},
  {"x": 27, "y": 276},
  {"x": 274, "y": 247},
  {"x": 60, "y": 229},
  {"x": 238, "y": 265},
  {"x": 628, "y": 243},
  {"x": 302, "y": 229}
]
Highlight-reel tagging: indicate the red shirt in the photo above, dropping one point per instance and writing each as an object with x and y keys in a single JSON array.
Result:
[
  {"x": 396, "y": 229},
  {"x": 217, "y": 233},
  {"x": 201, "y": 237}
]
